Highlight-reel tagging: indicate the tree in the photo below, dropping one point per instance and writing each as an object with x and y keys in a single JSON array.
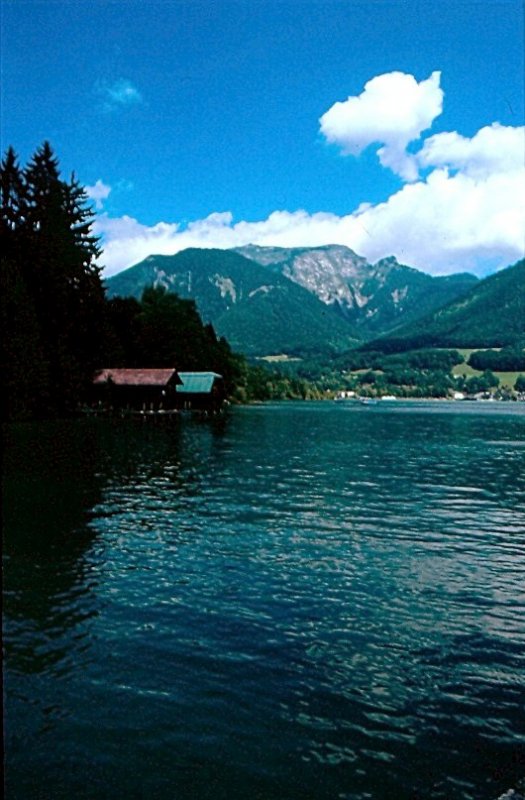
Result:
[
  {"x": 163, "y": 330},
  {"x": 172, "y": 330},
  {"x": 482, "y": 383},
  {"x": 508, "y": 359},
  {"x": 12, "y": 195},
  {"x": 50, "y": 268},
  {"x": 123, "y": 335},
  {"x": 24, "y": 370},
  {"x": 520, "y": 383},
  {"x": 65, "y": 279}
]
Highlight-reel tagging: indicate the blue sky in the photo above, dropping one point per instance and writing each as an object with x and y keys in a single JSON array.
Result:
[{"x": 392, "y": 126}]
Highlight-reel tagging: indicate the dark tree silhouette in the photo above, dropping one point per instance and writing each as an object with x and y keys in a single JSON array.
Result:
[{"x": 53, "y": 299}]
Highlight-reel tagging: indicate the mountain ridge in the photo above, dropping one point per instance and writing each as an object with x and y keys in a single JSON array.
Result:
[{"x": 297, "y": 301}]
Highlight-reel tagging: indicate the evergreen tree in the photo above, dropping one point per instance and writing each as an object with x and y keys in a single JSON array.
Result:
[
  {"x": 24, "y": 370},
  {"x": 164, "y": 330},
  {"x": 63, "y": 276},
  {"x": 12, "y": 197},
  {"x": 53, "y": 300},
  {"x": 123, "y": 338}
]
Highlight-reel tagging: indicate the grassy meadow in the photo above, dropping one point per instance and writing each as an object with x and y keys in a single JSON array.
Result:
[{"x": 506, "y": 379}]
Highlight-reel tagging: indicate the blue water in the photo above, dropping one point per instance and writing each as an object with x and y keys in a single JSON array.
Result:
[{"x": 302, "y": 600}]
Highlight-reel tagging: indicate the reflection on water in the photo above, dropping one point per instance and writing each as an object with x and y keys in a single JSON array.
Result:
[{"x": 297, "y": 601}]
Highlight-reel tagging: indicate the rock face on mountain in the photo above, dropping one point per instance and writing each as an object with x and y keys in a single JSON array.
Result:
[
  {"x": 333, "y": 273},
  {"x": 375, "y": 298}
]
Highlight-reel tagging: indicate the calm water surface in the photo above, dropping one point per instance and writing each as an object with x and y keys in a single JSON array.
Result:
[{"x": 298, "y": 602}]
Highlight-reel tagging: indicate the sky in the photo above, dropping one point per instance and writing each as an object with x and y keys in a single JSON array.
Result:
[{"x": 395, "y": 127}]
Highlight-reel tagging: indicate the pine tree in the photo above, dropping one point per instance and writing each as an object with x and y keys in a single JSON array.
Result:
[
  {"x": 23, "y": 365},
  {"x": 62, "y": 273},
  {"x": 53, "y": 293},
  {"x": 11, "y": 195}
]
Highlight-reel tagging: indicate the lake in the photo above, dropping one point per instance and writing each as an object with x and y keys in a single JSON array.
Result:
[{"x": 298, "y": 601}]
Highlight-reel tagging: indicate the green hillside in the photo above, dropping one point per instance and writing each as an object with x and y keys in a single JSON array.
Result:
[
  {"x": 406, "y": 295},
  {"x": 491, "y": 314},
  {"x": 289, "y": 301},
  {"x": 278, "y": 319}
]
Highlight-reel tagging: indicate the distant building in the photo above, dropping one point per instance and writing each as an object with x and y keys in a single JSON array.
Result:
[
  {"x": 149, "y": 389},
  {"x": 200, "y": 391}
]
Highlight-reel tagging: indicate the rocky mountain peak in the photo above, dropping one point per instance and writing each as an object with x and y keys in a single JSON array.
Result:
[{"x": 373, "y": 296}]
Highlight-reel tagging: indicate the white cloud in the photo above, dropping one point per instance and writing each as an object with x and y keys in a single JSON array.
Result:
[
  {"x": 393, "y": 110},
  {"x": 495, "y": 148},
  {"x": 119, "y": 94},
  {"x": 450, "y": 223},
  {"x": 126, "y": 241},
  {"x": 98, "y": 193}
]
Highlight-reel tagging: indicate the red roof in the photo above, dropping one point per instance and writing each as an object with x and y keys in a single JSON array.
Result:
[{"x": 138, "y": 377}]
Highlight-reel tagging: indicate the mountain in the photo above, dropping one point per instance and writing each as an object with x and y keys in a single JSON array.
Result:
[
  {"x": 323, "y": 300},
  {"x": 374, "y": 298},
  {"x": 259, "y": 311},
  {"x": 491, "y": 314}
]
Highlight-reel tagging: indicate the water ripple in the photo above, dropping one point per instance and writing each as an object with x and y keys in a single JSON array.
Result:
[{"x": 307, "y": 602}]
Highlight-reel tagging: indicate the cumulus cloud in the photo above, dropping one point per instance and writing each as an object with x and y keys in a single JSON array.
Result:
[
  {"x": 450, "y": 223},
  {"x": 495, "y": 148},
  {"x": 98, "y": 193},
  {"x": 126, "y": 241},
  {"x": 393, "y": 110},
  {"x": 119, "y": 94}
]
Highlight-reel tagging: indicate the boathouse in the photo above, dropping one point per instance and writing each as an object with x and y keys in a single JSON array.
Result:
[
  {"x": 138, "y": 389},
  {"x": 200, "y": 391}
]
